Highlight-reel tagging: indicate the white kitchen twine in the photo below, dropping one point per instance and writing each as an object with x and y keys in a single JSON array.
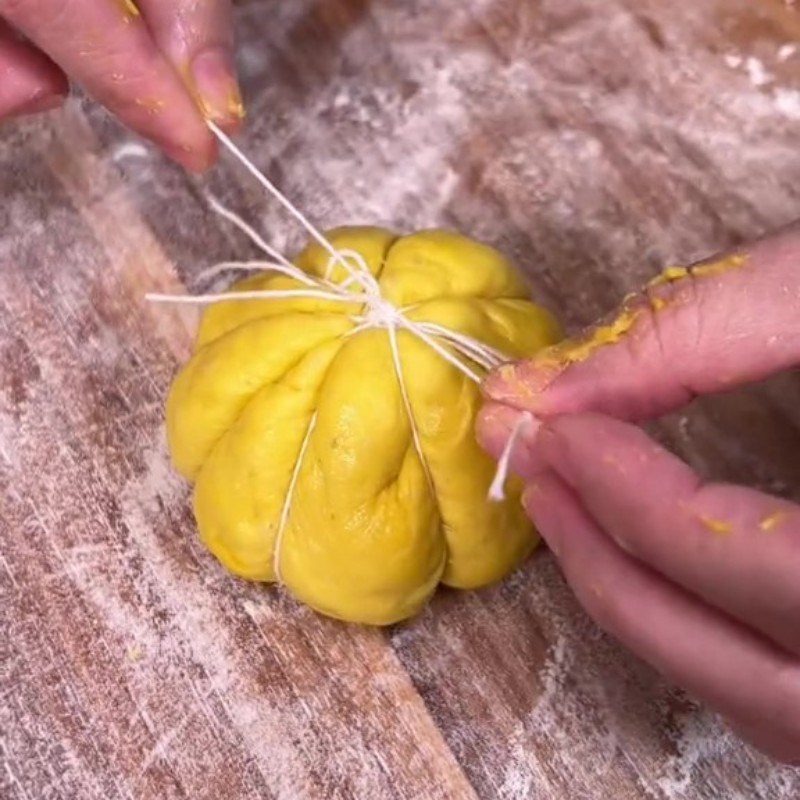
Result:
[
  {"x": 380, "y": 313},
  {"x": 521, "y": 426}
]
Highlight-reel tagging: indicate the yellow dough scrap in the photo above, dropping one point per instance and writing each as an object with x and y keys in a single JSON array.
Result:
[{"x": 360, "y": 527}]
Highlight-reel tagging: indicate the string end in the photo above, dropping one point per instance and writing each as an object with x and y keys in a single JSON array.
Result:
[{"x": 497, "y": 491}]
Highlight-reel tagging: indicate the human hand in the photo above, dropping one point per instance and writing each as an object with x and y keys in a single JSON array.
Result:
[
  {"x": 702, "y": 580},
  {"x": 159, "y": 66}
]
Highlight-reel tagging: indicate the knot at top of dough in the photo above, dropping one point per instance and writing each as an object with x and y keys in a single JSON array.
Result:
[{"x": 381, "y": 313}]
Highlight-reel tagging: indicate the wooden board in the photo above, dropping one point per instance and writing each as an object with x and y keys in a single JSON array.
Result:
[{"x": 594, "y": 143}]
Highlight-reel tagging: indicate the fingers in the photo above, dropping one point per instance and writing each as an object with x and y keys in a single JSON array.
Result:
[
  {"x": 105, "y": 45},
  {"x": 29, "y": 81},
  {"x": 727, "y": 322},
  {"x": 737, "y": 549},
  {"x": 714, "y": 657},
  {"x": 197, "y": 38}
]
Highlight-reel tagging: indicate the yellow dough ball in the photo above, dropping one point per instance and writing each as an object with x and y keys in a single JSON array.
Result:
[{"x": 291, "y": 423}]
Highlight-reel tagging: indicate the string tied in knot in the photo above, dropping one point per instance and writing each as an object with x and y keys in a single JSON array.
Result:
[{"x": 382, "y": 313}]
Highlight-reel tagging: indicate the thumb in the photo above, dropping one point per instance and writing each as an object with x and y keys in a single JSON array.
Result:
[{"x": 722, "y": 323}]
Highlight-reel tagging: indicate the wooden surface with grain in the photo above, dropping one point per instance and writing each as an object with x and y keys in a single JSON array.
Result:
[{"x": 593, "y": 142}]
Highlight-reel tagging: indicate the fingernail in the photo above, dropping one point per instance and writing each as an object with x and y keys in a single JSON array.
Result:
[
  {"x": 494, "y": 415},
  {"x": 215, "y": 87},
  {"x": 493, "y": 427},
  {"x": 533, "y": 498},
  {"x": 529, "y": 494},
  {"x": 38, "y": 104},
  {"x": 522, "y": 382},
  {"x": 129, "y": 9}
]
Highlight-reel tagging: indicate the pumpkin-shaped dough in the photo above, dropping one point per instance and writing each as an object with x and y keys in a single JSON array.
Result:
[{"x": 296, "y": 434}]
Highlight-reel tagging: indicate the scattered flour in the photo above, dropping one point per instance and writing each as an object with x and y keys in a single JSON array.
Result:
[
  {"x": 756, "y": 72},
  {"x": 130, "y": 149},
  {"x": 193, "y": 632},
  {"x": 787, "y": 101}
]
